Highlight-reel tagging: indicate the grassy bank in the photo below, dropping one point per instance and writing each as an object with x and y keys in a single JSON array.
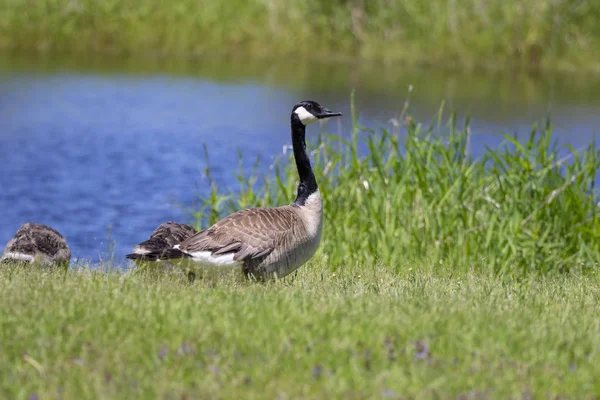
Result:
[
  {"x": 358, "y": 333},
  {"x": 551, "y": 34},
  {"x": 439, "y": 276}
]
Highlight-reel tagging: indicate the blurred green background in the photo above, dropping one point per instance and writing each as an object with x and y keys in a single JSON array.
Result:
[{"x": 552, "y": 34}]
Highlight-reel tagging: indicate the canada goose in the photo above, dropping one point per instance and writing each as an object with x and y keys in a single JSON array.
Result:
[
  {"x": 37, "y": 243},
  {"x": 164, "y": 237},
  {"x": 263, "y": 242}
]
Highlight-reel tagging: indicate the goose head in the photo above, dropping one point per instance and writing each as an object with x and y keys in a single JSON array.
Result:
[{"x": 309, "y": 111}]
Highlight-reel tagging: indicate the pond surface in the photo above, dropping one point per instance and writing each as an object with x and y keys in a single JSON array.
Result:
[{"x": 105, "y": 151}]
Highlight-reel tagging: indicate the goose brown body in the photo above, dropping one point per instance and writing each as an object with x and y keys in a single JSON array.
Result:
[
  {"x": 263, "y": 242},
  {"x": 37, "y": 243}
]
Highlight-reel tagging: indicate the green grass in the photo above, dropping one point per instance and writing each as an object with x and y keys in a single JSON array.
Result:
[
  {"x": 542, "y": 33},
  {"x": 356, "y": 333}
]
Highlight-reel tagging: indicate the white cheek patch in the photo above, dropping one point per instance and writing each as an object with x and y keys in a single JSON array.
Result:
[{"x": 305, "y": 117}]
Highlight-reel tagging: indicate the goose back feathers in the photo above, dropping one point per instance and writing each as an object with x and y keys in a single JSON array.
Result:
[
  {"x": 165, "y": 237},
  {"x": 37, "y": 243}
]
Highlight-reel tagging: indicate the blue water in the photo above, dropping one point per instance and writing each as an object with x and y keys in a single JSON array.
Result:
[{"x": 101, "y": 156}]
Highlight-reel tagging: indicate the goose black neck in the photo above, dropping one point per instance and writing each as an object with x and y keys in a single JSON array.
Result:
[{"x": 308, "y": 183}]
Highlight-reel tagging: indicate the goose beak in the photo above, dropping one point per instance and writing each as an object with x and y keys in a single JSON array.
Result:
[{"x": 326, "y": 113}]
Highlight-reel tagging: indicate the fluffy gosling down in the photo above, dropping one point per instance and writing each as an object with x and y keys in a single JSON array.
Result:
[
  {"x": 165, "y": 237},
  {"x": 261, "y": 242},
  {"x": 35, "y": 243}
]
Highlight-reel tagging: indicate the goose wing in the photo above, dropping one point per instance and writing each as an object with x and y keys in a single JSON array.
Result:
[
  {"x": 48, "y": 241},
  {"x": 173, "y": 233},
  {"x": 165, "y": 237},
  {"x": 248, "y": 234}
]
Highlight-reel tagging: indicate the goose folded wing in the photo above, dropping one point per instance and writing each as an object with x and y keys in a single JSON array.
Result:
[
  {"x": 173, "y": 233},
  {"x": 248, "y": 234},
  {"x": 48, "y": 243},
  {"x": 154, "y": 244}
]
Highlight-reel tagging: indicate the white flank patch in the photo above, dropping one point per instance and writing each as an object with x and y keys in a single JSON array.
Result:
[
  {"x": 18, "y": 256},
  {"x": 140, "y": 250},
  {"x": 206, "y": 259},
  {"x": 305, "y": 117}
]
